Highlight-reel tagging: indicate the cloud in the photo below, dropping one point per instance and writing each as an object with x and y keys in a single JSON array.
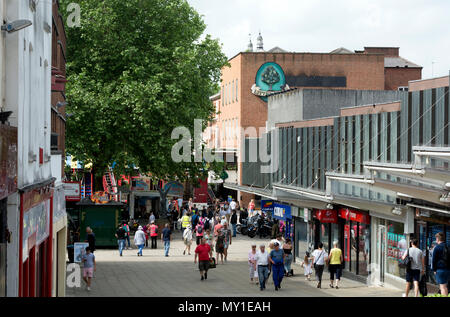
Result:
[{"x": 418, "y": 27}]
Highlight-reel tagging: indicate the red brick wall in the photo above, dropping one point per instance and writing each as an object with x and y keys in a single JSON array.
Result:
[{"x": 396, "y": 77}]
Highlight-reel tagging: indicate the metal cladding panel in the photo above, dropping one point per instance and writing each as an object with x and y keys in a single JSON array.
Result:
[
  {"x": 374, "y": 138},
  {"x": 415, "y": 128},
  {"x": 343, "y": 138},
  {"x": 304, "y": 156},
  {"x": 383, "y": 136},
  {"x": 366, "y": 137},
  {"x": 299, "y": 155},
  {"x": 285, "y": 158},
  {"x": 289, "y": 156},
  {"x": 329, "y": 140},
  {"x": 446, "y": 140},
  {"x": 336, "y": 136},
  {"x": 316, "y": 157},
  {"x": 358, "y": 130},
  {"x": 350, "y": 140},
  {"x": 394, "y": 142},
  {"x": 322, "y": 135},
  {"x": 294, "y": 155},
  {"x": 439, "y": 118},
  {"x": 310, "y": 167},
  {"x": 427, "y": 119},
  {"x": 405, "y": 132}
]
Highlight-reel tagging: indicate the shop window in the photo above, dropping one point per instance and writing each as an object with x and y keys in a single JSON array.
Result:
[
  {"x": 396, "y": 246},
  {"x": 364, "y": 249},
  {"x": 324, "y": 236},
  {"x": 301, "y": 237}
]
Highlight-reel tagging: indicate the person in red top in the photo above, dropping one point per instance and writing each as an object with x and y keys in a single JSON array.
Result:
[
  {"x": 146, "y": 230},
  {"x": 203, "y": 252},
  {"x": 154, "y": 234}
]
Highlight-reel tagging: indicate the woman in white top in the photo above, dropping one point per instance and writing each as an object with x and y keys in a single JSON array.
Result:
[
  {"x": 252, "y": 262},
  {"x": 139, "y": 240},
  {"x": 187, "y": 238},
  {"x": 319, "y": 257}
]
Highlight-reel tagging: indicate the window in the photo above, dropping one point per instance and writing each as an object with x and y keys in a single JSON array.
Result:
[{"x": 232, "y": 93}]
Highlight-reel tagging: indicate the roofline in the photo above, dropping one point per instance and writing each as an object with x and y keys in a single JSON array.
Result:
[
  {"x": 215, "y": 97},
  {"x": 313, "y": 53},
  {"x": 433, "y": 78}
]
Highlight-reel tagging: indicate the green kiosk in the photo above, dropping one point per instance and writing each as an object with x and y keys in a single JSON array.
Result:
[{"x": 102, "y": 218}]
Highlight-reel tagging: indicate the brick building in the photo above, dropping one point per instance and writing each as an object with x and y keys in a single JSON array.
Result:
[
  {"x": 58, "y": 98},
  {"x": 242, "y": 101}
]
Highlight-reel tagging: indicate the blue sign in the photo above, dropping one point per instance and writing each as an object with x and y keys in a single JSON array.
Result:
[
  {"x": 282, "y": 212},
  {"x": 267, "y": 206}
]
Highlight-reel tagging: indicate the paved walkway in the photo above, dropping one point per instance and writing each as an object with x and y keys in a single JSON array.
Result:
[{"x": 177, "y": 275}]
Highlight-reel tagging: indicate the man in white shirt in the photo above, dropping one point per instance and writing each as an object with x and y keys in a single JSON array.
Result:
[
  {"x": 262, "y": 263},
  {"x": 233, "y": 205}
]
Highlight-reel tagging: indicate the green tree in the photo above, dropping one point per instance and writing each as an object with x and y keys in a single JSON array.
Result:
[
  {"x": 137, "y": 69},
  {"x": 270, "y": 76}
]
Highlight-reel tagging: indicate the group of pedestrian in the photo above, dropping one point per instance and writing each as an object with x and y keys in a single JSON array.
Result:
[{"x": 318, "y": 259}]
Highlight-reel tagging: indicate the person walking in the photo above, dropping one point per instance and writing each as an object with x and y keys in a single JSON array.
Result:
[
  {"x": 166, "y": 237},
  {"x": 220, "y": 245},
  {"x": 287, "y": 249},
  {"x": 187, "y": 239},
  {"x": 127, "y": 236},
  {"x": 276, "y": 257},
  {"x": 217, "y": 228},
  {"x": 275, "y": 229},
  {"x": 227, "y": 240},
  {"x": 209, "y": 238},
  {"x": 306, "y": 264},
  {"x": 233, "y": 222},
  {"x": 185, "y": 221},
  {"x": 190, "y": 204},
  {"x": 262, "y": 264},
  {"x": 203, "y": 252},
  {"x": 415, "y": 271},
  {"x": 251, "y": 208},
  {"x": 440, "y": 263},
  {"x": 252, "y": 263},
  {"x": 154, "y": 235},
  {"x": 318, "y": 259},
  {"x": 90, "y": 238},
  {"x": 139, "y": 240},
  {"x": 89, "y": 267},
  {"x": 151, "y": 218},
  {"x": 335, "y": 264},
  {"x": 146, "y": 230},
  {"x": 198, "y": 232},
  {"x": 121, "y": 238}
]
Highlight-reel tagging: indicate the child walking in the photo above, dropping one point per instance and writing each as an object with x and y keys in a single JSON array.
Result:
[
  {"x": 88, "y": 268},
  {"x": 306, "y": 264}
]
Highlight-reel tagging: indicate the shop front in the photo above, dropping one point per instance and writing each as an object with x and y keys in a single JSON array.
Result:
[
  {"x": 284, "y": 215},
  {"x": 325, "y": 228},
  {"x": 355, "y": 230},
  {"x": 390, "y": 239},
  {"x": 36, "y": 251},
  {"x": 302, "y": 232},
  {"x": 427, "y": 225}
]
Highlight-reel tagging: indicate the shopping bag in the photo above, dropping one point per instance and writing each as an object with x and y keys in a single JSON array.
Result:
[
  {"x": 255, "y": 275},
  {"x": 212, "y": 263},
  {"x": 423, "y": 286}
]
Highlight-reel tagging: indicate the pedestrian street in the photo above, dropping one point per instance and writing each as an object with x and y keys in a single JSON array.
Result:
[{"x": 153, "y": 274}]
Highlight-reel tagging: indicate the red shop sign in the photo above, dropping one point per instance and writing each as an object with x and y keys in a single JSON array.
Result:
[
  {"x": 327, "y": 216},
  {"x": 353, "y": 215}
]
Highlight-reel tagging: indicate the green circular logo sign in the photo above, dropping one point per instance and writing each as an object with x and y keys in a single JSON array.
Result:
[{"x": 269, "y": 78}]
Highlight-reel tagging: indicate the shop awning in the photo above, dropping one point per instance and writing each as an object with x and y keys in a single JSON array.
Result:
[{"x": 267, "y": 193}]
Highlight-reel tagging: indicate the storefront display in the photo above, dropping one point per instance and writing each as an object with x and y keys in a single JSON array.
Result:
[{"x": 396, "y": 246}]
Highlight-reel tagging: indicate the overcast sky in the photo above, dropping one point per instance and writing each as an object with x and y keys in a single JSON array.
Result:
[{"x": 420, "y": 28}]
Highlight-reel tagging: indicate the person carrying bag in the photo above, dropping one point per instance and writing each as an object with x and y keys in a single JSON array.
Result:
[{"x": 319, "y": 257}]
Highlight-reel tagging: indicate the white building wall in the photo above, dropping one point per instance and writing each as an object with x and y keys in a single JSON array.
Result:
[
  {"x": 28, "y": 87},
  {"x": 25, "y": 65}
]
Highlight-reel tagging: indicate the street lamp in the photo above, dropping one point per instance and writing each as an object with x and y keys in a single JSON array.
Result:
[{"x": 16, "y": 26}]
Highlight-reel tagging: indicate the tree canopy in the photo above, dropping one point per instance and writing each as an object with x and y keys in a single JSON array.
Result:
[{"x": 137, "y": 69}]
